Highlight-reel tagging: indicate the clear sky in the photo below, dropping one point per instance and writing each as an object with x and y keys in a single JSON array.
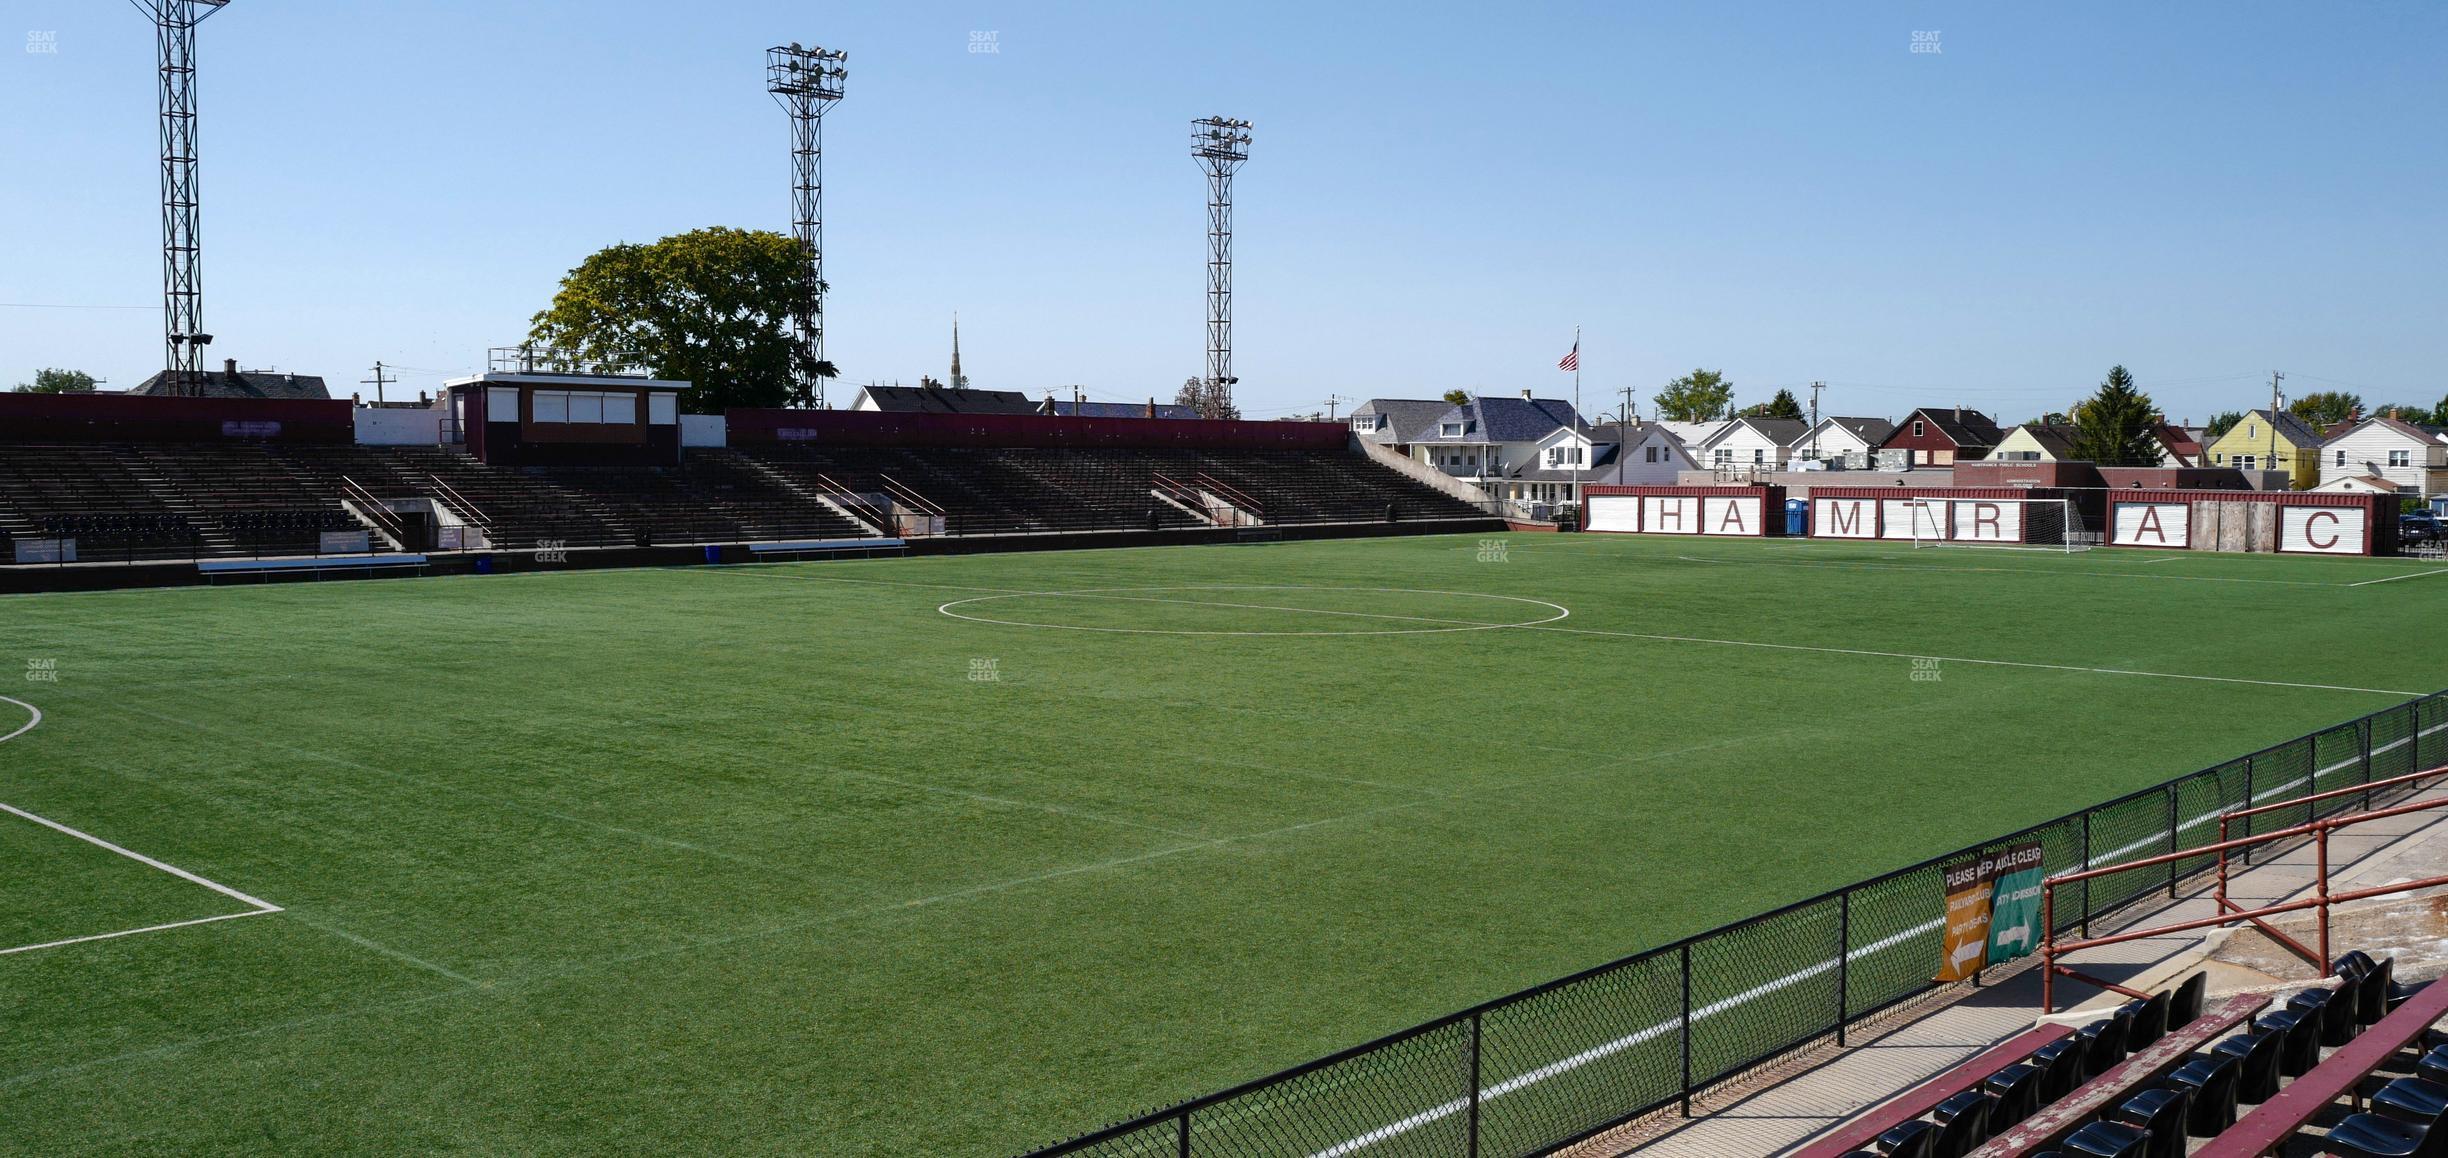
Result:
[{"x": 1437, "y": 195}]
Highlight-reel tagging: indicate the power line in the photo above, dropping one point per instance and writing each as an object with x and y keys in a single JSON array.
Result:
[{"x": 64, "y": 306}]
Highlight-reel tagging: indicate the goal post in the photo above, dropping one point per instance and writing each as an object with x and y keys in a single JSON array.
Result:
[{"x": 2007, "y": 524}]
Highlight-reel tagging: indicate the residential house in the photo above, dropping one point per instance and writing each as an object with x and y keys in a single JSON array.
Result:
[
  {"x": 2356, "y": 484},
  {"x": 233, "y": 382},
  {"x": 1692, "y": 434},
  {"x": 2287, "y": 444},
  {"x": 2036, "y": 442},
  {"x": 940, "y": 400},
  {"x": 1941, "y": 437},
  {"x": 1852, "y": 441},
  {"x": 1396, "y": 422},
  {"x": 1752, "y": 445},
  {"x": 1481, "y": 440},
  {"x": 1647, "y": 454},
  {"x": 2178, "y": 446},
  {"x": 2413, "y": 457}
]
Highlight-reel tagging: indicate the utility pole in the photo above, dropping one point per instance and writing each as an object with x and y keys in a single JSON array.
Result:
[
  {"x": 378, "y": 381},
  {"x": 1332, "y": 401},
  {"x": 1816, "y": 387},
  {"x": 1625, "y": 418},
  {"x": 2275, "y": 396}
]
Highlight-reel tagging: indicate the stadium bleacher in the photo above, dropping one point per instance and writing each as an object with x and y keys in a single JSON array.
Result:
[
  {"x": 176, "y": 500},
  {"x": 2172, "y": 1074}
]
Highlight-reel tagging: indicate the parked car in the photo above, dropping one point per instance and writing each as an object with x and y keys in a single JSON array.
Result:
[{"x": 2419, "y": 527}]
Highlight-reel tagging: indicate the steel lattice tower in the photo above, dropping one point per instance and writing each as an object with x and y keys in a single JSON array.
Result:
[
  {"x": 183, "y": 336},
  {"x": 1220, "y": 144},
  {"x": 806, "y": 82}
]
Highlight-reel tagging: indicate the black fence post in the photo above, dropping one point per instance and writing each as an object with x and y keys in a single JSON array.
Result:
[
  {"x": 1844, "y": 963},
  {"x": 1687, "y": 1030},
  {"x": 2250, "y": 822},
  {"x": 1474, "y": 1085},
  {"x": 2173, "y": 865},
  {"x": 2363, "y": 739},
  {"x": 2086, "y": 884},
  {"x": 1182, "y": 1146}
]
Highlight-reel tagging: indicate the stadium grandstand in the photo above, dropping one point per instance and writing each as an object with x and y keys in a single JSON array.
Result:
[{"x": 122, "y": 481}]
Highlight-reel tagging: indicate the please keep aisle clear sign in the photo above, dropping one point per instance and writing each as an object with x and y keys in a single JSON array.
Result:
[{"x": 1992, "y": 909}]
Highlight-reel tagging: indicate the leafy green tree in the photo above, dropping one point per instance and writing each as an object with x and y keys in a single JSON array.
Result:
[
  {"x": 1458, "y": 397},
  {"x": 1206, "y": 400},
  {"x": 2221, "y": 423},
  {"x": 1784, "y": 405},
  {"x": 1695, "y": 397},
  {"x": 2114, "y": 427},
  {"x": 52, "y": 380},
  {"x": 711, "y": 306},
  {"x": 2322, "y": 407}
]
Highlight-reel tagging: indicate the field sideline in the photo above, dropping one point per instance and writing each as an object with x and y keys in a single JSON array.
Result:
[{"x": 963, "y": 854}]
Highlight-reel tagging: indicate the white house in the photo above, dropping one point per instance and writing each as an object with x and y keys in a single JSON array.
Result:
[
  {"x": 2413, "y": 457},
  {"x": 1847, "y": 440},
  {"x": 1692, "y": 434},
  {"x": 1487, "y": 439},
  {"x": 1751, "y": 444},
  {"x": 1396, "y": 422},
  {"x": 1649, "y": 455}
]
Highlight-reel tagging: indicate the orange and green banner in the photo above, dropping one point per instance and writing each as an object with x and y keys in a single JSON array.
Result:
[{"x": 1992, "y": 909}]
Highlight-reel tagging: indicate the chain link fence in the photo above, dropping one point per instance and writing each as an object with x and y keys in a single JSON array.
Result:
[{"x": 1552, "y": 1065}]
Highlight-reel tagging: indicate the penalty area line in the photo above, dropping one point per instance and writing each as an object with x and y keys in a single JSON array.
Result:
[{"x": 256, "y": 906}]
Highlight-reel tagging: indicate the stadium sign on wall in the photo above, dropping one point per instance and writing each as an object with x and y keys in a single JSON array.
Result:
[
  {"x": 2014, "y": 902},
  {"x": 1697, "y": 510},
  {"x": 2152, "y": 525},
  {"x": 2322, "y": 530}
]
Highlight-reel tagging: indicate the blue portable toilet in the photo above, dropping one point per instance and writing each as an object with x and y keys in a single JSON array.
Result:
[{"x": 1797, "y": 517}]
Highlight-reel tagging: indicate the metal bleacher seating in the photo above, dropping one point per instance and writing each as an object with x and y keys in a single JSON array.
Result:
[{"x": 2165, "y": 1076}]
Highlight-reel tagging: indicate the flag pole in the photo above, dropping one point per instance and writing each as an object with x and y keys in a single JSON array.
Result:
[{"x": 1577, "y": 499}]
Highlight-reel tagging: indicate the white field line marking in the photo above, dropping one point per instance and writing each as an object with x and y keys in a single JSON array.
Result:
[
  {"x": 1594, "y": 1053},
  {"x": 1608, "y": 1049},
  {"x": 2394, "y": 578},
  {"x": 2117, "y": 671},
  {"x": 1118, "y": 594},
  {"x": 373, "y": 946},
  {"x": 133, "y": 932},
  {"x": 256, "y": 905}
]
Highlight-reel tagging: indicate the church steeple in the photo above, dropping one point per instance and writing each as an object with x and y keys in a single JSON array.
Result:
[{"x": 959, "y": 381}]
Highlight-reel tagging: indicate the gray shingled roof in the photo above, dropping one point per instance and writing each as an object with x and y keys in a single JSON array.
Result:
[
  {"x": 1068, "y": 409},
  {"x": 1965, "y": 428},
  {"x": 1501, "y": 419},
  {"x": 1406, "y": 418},
  {"x": 244, "y": 384}
]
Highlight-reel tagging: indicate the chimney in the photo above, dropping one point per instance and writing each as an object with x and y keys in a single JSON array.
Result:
[
  {"x": 229, "y": 366},
  {"x": 1525, "y": 394},
  {"x": 1151, "y": 406}
]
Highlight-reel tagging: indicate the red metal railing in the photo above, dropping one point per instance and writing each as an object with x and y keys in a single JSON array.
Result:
[{"x": 2052, "y": 947}]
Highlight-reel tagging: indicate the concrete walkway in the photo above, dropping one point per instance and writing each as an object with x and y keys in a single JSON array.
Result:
[{"x": 1790, "y": 1102}]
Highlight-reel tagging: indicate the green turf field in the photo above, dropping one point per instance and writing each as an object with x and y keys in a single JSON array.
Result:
[{"x": 960, "y": 855}]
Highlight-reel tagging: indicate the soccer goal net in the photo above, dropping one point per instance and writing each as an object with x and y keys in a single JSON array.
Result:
[{"x": 2036, "y": 524}]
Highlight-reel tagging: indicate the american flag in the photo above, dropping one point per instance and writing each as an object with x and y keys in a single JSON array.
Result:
[{"x": 1572, "y": 361}]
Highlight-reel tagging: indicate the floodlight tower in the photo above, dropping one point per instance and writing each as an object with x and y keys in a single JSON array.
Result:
[
  {"x": 1220, "y": 145},
  {"x": 807, "y": 82},
  {"x": 183, "y": 336}
]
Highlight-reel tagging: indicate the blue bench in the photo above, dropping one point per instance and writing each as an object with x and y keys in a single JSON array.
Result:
[
  {"x": 213, "y": 568},
  {"x": 827, "y": 546}
]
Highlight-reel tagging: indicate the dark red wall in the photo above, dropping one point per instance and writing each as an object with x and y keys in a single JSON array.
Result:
[
  {"x": 124, "y": 418},
  {"x": 2002, "y": 472},
  {"x": 2173, "y": 478},
  {"x": 876, "y": 428}
]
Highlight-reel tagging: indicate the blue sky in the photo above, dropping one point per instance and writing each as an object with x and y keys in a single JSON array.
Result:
[{"x": 1437, "y": 195}]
